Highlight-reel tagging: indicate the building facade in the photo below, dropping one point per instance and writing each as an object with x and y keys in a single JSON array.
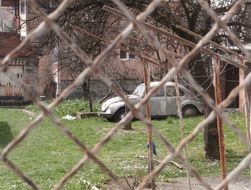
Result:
[{"x": 25, "y": 64}]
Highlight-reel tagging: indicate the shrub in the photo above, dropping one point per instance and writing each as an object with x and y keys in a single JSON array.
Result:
[{"x": 70, "y": 107}]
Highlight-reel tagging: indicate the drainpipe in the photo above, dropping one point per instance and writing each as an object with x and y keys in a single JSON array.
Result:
[{"x": 17, "y": 16}]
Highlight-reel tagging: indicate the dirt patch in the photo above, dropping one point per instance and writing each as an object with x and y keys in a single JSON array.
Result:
[{"x": 240, "y": 183}]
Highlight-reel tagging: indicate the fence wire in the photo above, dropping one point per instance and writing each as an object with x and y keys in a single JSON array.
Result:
[{"x": 178, "y": 65}]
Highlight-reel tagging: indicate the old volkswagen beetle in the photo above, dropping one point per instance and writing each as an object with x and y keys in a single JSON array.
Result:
[{"x": 163, "y": 102}]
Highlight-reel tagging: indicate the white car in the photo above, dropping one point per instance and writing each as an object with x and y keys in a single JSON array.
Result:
[{"x": 163, "y": 102}]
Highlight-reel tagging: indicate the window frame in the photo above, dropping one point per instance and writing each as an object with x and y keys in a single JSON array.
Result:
[
  {"x": 128, "y": 55},
  {"x": 157, "y": 94},
  {"x": 181, "y": 91},
  {"x": 22, "y": 7}
]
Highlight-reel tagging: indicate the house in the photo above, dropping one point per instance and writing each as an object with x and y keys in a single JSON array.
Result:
[
  {"x": 125, "y": 66},
  {"x": 25, "y": 64},
  {"x": 126, "y": 72}
]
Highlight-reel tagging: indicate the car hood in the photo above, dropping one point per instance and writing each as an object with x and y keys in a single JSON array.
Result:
[{"x": 116, "y": 100}]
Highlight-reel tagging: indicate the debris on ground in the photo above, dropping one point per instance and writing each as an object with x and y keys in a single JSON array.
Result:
[
  {"x": 30, "y": 113},
  {"x": 69, "y": 117}
]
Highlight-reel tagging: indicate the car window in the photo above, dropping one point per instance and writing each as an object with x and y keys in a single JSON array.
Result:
[
  {"x": 181, "y": 92},
  {"x": 159, "y": 93},
  {"x": 170, "y": 91},
  {"x": 139, "y": 91}
]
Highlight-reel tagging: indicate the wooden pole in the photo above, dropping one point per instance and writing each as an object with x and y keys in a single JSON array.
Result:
[
  {"x": 218, "y": 100},
  {"x": 150, "y": 162},
  {"x": 246, "y": 104},
  {"x": 181, "y": 120}
]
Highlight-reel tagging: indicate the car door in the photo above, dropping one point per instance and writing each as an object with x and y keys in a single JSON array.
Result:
[
  {"x": 172, "y": 108},
  {"x": 158, "y": 103},
  {"x": 171, "y": 100}
]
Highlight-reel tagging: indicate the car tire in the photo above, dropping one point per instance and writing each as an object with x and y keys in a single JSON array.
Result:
[
  {"x": 119, "y": 114},
  {"x": 110, "y": 119},
  {"x": 189, "y": 111}
]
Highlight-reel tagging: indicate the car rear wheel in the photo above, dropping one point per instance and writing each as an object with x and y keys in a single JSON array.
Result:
[{"x": 189, "y": 111}]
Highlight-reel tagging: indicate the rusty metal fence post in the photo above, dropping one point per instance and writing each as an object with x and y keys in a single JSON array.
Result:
[{"x": 220, "y": 127}]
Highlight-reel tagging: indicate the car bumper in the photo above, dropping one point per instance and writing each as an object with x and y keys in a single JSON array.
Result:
[{"x": 104, "y": 114}]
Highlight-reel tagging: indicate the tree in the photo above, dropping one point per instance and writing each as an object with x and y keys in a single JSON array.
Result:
[{"x": 186, "y": 13}]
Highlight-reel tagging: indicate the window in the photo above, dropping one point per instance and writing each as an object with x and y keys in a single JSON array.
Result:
[
  {"x": 22, "y": 7},
  {"x": 126, "y": 55},
  {"x": 7, "y": 19},
  {"x": 181, "y": 92},
  {"x": 50, "y": 4},
  {"x": 123, "y": 54},
  {"x": 159, "y": 93},
  {"x": 131, "y": 56},
  {"x": 171, "y": 91}
]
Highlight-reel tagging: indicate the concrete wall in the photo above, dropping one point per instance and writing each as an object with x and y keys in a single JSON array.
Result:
[{"x": 99, "y": 89}]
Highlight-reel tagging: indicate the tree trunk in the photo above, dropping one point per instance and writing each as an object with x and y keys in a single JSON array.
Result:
[
  {"x": 90, "y": 103},
  {"x": 211, "y": 141},
  {"x": 87, "y": 94},
  {"x": 128, "y": 126},
  {"x": 50, "y": 90}
]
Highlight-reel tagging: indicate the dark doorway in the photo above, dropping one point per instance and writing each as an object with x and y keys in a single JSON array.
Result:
[{"x": 231, "y": 81}]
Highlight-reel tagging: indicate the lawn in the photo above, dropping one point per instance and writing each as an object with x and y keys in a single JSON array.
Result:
[{"x": 46, "y": 155}]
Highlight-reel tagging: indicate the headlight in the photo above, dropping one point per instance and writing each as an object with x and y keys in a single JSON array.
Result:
[
  {"x": 108, "y": 111},
  {"x": 104, "y": 107}
]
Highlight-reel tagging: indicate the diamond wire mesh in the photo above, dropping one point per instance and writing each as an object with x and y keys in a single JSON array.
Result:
[{"x": 92, "y": 67}]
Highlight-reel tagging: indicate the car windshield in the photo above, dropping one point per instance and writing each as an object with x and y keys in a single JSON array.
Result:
[{"x": 139, "y": 91}]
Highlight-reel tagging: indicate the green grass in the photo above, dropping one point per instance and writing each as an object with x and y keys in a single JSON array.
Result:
[
  {"x": 46, "y": 154},
  {"x": 70, "y": 107}
]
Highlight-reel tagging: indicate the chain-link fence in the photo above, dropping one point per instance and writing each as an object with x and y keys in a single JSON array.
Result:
[{"x": 92, "y": 66}]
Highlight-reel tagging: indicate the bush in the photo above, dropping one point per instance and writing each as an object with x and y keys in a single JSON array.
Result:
[{"x": 70, "y": 107}]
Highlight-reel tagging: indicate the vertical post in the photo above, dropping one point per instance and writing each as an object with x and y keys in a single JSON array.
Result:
[
  {"x": 150, "y": 163},
  {"x": 17, "y": 16},
  {"x": 218, "y": 99},
  {"x": 245, "y": 101},
  {"x": 247, "y": 116},
  {"x": 248, "y": 127},
  {"x": 242, "y": 98},
  {"x": 181, "y": 121}
]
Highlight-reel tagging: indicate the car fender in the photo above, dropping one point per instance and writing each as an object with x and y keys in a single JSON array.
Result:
[
  {"x": 116, "y": 106},
  {"x": 193, "y": 103}
]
